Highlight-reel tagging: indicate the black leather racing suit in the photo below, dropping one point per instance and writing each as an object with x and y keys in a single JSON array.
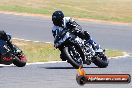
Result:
[{"x": 69, "y": 23}]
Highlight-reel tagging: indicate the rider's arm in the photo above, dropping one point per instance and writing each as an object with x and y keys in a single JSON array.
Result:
[
  {"x": 77, "y": 29},
  {"x": 72, "y": 24},
  {"x": 54, "y": 31}
]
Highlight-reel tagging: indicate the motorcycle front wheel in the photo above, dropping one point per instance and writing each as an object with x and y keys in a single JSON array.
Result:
[{"x": 73, "y": 55}]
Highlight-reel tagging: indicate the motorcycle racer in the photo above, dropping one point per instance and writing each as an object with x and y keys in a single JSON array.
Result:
[
  {"x": 6, "y": 37},
  {"x": 60, "y": 23}
]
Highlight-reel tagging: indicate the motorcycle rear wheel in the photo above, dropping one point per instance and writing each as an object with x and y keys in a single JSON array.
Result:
[
  {"x": 101, "y": 61},
  {"x": 20, "y": 61}
]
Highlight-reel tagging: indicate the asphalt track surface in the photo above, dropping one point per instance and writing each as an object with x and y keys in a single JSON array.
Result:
[{"x": 62, "y": 75}]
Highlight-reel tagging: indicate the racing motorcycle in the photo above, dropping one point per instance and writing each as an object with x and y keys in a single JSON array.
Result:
[
  {"x": 77, "y": 52},
  {"x": 7, "y": 56}
]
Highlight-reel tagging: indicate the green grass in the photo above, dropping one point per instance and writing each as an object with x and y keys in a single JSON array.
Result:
[
  {"x": 43, "y": 52},
  {"x": 110, "y": 10},
  {"x": 113, "y": 53},
  {"x": 38, "y": 52},
  {"x": 24, "y": 9}
]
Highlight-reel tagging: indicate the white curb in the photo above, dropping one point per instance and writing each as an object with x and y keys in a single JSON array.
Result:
[
  {"x": 118, "y": 57},
  {"x": 35, "y": 63},
  {"x": 50, "y": 62}
]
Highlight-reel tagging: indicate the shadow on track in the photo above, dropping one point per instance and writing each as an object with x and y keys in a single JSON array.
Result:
[
  {"x": 1, "y": 66},
  {"x": 64, "y": 67}
]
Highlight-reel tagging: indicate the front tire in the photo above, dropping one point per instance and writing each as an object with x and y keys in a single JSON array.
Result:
[{"x": 73, "y": 55}]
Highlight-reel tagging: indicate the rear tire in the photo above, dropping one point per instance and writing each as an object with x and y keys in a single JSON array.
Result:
[
  {"x": 101, "y": 62},
  {"x": 19, "y": 58},
  {"x": 20, "y": 61}
]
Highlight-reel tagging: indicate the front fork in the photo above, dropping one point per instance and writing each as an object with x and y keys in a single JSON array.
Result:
[{"x": 88, "y": 54}]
